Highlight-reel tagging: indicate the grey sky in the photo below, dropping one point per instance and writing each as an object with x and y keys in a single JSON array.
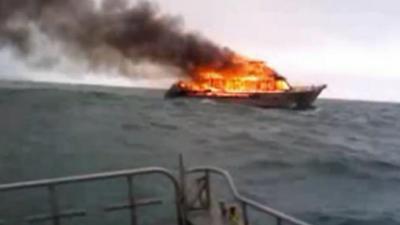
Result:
[{"x": 351, "y": 45}]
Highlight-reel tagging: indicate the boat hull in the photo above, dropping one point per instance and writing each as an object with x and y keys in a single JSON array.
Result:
[{"x": 296, "y": 98}]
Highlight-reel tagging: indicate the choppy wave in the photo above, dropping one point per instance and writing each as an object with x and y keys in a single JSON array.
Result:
[{"x": 336, "y": 165}]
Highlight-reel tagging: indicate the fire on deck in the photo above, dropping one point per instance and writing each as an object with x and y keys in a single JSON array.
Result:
[{"x": 247, "y": 82}]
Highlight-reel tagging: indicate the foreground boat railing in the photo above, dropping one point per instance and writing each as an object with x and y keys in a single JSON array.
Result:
[
  {"x": 245, "y": 203},
  {"x": 182, "y": 203},
  {"x": 56, "y": 214}
]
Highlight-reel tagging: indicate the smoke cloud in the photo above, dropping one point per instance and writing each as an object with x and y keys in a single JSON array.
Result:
[{"x": 106, "y": 34}]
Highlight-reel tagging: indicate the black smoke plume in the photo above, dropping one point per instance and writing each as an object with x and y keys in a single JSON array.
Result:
[{"x": 106, "y": 32}]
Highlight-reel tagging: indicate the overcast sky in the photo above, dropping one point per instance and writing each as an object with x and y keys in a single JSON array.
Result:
[
  {"x": 354, "y": 45},
  {"x": 351, "y": 45}
]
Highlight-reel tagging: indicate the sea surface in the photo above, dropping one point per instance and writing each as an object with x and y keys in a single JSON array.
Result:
[{"x": 338, "y": 164}]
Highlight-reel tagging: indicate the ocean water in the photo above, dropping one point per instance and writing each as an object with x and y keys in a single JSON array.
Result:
[{"x": 338, "y": 164}]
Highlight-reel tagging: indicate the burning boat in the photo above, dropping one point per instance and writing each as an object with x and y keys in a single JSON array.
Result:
[{"x": 247, "y": 82}]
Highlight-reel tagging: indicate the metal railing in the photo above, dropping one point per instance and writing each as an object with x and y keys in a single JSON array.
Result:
[
  {"x": 246, "y": 202},
  {"x": 181, "y": 203},
  {"x": 56, "y": 214}
]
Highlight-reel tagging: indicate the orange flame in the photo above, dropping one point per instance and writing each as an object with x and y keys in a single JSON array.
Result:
[{"x": 241, "y": 76}]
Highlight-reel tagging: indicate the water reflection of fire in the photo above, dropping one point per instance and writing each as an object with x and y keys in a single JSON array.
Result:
[{"x": 241, "y": 76}]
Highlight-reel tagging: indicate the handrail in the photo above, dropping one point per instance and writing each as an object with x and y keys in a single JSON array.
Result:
[
  {"x": 89, "y": 177},
  {"x": 258, "y": 206},
  {"x": 52, "y": 183}
]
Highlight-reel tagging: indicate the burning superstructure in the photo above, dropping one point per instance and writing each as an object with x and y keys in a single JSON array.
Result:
[
  {"x": 240, "y": 75},
  {"x": 245, "y": 81}
]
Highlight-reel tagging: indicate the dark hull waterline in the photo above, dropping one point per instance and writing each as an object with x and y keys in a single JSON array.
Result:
[{"x": 298, "y": 98}]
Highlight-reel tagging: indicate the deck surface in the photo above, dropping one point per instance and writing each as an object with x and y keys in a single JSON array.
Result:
[{"x": 212, "y": 217}]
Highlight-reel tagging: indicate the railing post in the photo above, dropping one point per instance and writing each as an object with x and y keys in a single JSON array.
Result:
[
  {"x": 180, "y": 212},
  {"x": 131, "y": 201},
  {"x": 245, "y": 215},
  {"x": 208, "y": 189},
  {"x": 182, "y": 180},
  {"x": 182, "y": 203},
  {"x": 53, "y": 201},
  {"x": 279, "y": 221}
]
